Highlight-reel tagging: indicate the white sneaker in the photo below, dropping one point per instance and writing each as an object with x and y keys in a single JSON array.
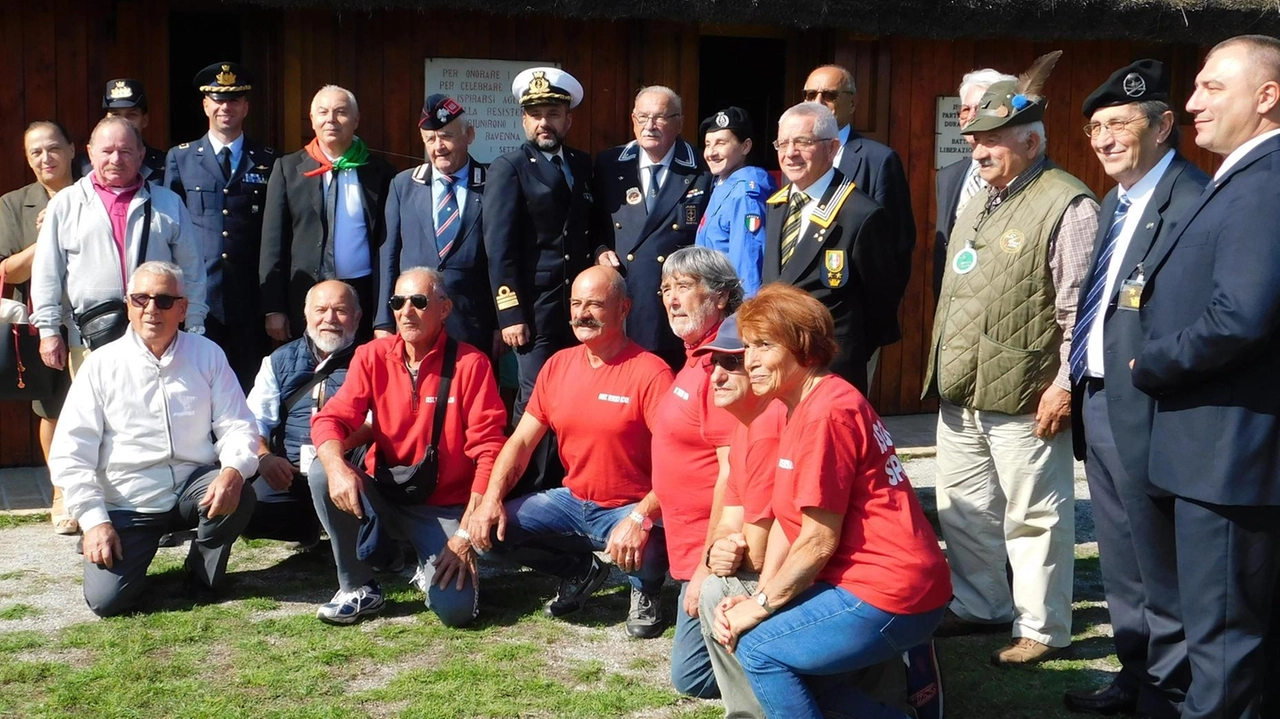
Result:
[{"x": 348, "y": 607}]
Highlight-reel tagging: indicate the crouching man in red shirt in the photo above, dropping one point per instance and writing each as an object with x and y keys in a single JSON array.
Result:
[
  {"x": 398, "y": 379},
  {"x": 600, "y": 398}
]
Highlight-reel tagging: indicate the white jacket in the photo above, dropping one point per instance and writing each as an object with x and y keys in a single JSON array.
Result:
[
  {"x": 76, "y": 254},
  {"x": 134, "y": 427}
]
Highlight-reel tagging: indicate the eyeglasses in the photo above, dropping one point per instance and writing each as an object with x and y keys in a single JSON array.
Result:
[
  {"x": 727, "y": 361},
  {"x": 418, "y": 301},
  {"x": 643, "y": 118},
  {"x": 826, "y": 95},
  {"x": 141, "y": 299},
  {"x": 1113, "y": 127},
  {"x": 803, "y": 144}
]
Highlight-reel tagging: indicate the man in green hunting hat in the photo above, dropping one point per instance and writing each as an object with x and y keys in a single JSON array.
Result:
[{"x": 999, "y": 365}]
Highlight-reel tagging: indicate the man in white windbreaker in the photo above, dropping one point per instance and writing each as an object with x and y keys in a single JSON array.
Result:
[
  {"x": 135, "y": 452},
  {"x": 93, "y": 236}
]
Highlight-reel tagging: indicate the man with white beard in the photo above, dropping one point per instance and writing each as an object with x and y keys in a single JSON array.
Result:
[{"x": 292, "y": 385}]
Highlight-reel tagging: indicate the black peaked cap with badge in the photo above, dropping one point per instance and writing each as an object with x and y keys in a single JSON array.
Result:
[
  {"x": 439, "y": 110},
  {"x": 1141, "y": 81},
  {"x": 223, "y": 81},
  {"x": 734, "y": 119},
  {"x": 123, "y": 93}
]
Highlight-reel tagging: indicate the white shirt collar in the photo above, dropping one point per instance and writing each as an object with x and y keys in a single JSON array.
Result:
[
  {"x": 819, "y": 186},
  {"x": 665, "y": 161},
  {"x": 235, "y": 145},
  {"x": 1241, "y": 151},
  {"x": 1143, "y": 188}
]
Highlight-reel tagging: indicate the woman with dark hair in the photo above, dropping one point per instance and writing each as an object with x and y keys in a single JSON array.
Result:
[
  {"x": 49, "y": 152},
  {"x": 853, "y": 574}
]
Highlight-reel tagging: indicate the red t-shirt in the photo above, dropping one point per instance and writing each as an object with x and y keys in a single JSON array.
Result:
[
  {"x": 836, "y": 455},
  {"x": 603, "y": 419},
  {"x": 753, "y": 460},
  {"x": 472, "y": 434},
  {"x": 685, "y": 467}
]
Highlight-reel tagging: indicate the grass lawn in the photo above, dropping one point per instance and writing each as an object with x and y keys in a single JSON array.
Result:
[{"x": 262, "y": 653}]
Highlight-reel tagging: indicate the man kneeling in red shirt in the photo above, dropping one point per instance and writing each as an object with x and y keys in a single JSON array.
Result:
[
  {"x": 600, "y": 399},
  {"x": 398, "y": 379}
]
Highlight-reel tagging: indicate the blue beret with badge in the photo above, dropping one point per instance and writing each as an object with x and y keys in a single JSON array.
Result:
[
  {"x": 734, "y": 119},
  {"x": 223, "y": 81},
  {"x": 439, "y": 110},
  {"x": 1141, "y": 81},
  {"x": 123, "y": 93}
]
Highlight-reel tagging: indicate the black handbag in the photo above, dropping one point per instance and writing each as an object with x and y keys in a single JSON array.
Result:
[
  {"x": 414, "y": 484},
  {"x": 23, "y": 375},
  {"x": 107, "y": 321}
]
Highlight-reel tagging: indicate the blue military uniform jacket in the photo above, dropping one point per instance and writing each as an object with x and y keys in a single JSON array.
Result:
[
  {"x": 411, "y": 242},
  {"x": 536, "y": 236},
  {"x": 734, "y": 222},
  {"x": 227, "y": 216},
  {"x": 643, "y": 240}
]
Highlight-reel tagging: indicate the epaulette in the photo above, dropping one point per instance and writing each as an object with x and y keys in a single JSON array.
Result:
[{"x": 779, "y": 197}]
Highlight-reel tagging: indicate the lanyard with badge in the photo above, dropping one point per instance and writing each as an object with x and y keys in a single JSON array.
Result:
[
  {"x": 967, "y": 258},
  {"x": 1131, "y": 292}
]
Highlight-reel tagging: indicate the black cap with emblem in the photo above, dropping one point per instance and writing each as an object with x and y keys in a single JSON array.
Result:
[
  {"x": 123, "y": 93},
  {"x": 223, "y": 81},
  {"x": 439, "y": 110},
  {"x": 734, "y": 119},
  {"x": 1141, "y": 81}
]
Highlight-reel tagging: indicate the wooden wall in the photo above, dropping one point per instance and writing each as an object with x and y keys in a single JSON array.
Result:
[{"x": 58, "y": 54}]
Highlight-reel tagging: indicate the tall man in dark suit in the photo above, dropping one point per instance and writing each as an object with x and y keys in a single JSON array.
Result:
[
  {"x": 433, "y": 220},
  {"x": 536, "y": 213},
  {"x": 653, "y": 193},
  {"x": 827, "y": 239},
  {"x": 127, "y": 98},
  {"x": 1210, "y": 302},
  {"x": 960, "y": 181},
  {"x": 1134, "y": 133},
  {"x": 222, "y": 178},
  {"x": 876, "y": 170},
  {"x": 325, "y": 217}
]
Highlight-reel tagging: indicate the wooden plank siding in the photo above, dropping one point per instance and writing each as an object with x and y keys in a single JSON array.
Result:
[{"x": 59, "y": 54}]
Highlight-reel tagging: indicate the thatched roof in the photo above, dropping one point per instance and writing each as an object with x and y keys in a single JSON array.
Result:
[{"x": 1165, "y": 20}]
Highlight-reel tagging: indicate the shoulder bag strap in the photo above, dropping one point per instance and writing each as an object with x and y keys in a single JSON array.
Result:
[
  {"x": 320, "y": 375},
  {"x": 442, "y": 395}
]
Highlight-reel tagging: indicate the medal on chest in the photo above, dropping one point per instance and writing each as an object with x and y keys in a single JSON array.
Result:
[{"x": 965, "y": 260}]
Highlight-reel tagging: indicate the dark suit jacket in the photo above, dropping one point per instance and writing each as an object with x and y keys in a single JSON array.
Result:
[
  {"x": 877, "y": 171},
  {"x": 1211, "y": 307},
  {"x": 535, "y": 234},
  {"x": 18, "y": 211},
  {"x": 846, "y": 264},
  {"x": 949, "y": 182},
  {"x": 1128, "y": 410},
  {"x": 227, "y": 217},
  {"x": 294, "y": 231},
  {"x": 411, "y": 242},
  {"x": 644, "y": 240}
]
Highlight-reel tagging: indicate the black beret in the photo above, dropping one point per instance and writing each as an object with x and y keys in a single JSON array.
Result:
[
  {"x": 223, "y": 81},
  {"x": 1141, "y": 81},
  {"x": 734, "y": 119},
  {"x": 438, "y": 111},
  {"x": 124, "y": 93}
]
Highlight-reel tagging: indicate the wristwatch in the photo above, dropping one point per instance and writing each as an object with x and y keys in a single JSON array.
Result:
[
  {"x": 763, "y": 601},
  {"x": 645, "y": 523}
]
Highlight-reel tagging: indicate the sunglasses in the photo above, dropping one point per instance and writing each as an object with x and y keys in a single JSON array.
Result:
[
  {"x": 141, "y": 299},
  {"x": 826, "y": 95},
  {"x": 418, "y": 301},
  {"x": 727, "y": 361}
]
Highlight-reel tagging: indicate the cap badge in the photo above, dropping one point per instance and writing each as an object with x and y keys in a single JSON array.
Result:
[
  {"x": 1002, "y": 111},
  {"x": 121, "y": 91},
  {"x": 442, "y": 114},
  {"x": 1134, "y": 85},
  {"x": 539, "y": 83},
  {"x": 226, "y": 77},
  {"x": 722, "y": 120}
]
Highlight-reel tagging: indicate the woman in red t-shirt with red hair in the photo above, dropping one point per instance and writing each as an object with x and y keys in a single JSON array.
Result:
[{"x": 853, "y": 573}]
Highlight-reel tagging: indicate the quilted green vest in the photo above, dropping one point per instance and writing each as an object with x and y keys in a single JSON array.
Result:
[{"x": 995, "y": 340}]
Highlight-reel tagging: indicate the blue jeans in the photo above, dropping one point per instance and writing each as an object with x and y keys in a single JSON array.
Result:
[
  {"x": 825, "y": 631},
  {"x": 555, "y": 532},
  {"x": 691, "y": 671}
]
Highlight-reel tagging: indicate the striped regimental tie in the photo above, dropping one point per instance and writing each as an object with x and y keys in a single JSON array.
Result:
[
  {"x": 791, "y": 226},
  {"x": 447, "y": 217},
  {"x": 1096, "y": 299}
]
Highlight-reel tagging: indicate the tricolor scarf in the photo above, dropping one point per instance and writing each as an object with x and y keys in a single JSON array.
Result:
[{"x": 355, "y": 156}]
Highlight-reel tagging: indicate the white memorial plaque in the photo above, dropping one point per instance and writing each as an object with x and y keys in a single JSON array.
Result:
[
  {"x": 483, "y": 88},
  {"x": 948, "y": 144}
]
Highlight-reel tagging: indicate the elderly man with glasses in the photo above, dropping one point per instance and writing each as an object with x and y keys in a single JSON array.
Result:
[
  {"x": 825, "y": 237},
  {"x": 155, "y": 436}
]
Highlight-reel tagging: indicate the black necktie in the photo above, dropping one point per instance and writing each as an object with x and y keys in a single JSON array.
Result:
[{"x": 224, "y": 157}]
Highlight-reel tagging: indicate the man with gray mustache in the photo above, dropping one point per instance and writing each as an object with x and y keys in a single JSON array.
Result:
[{"x": 292, "y": 385}]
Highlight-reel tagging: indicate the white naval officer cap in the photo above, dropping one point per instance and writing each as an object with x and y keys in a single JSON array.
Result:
[{"x": 546, "y": 85}]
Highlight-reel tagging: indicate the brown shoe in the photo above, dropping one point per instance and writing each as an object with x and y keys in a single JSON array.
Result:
[{"x": 1025, "y": 651}]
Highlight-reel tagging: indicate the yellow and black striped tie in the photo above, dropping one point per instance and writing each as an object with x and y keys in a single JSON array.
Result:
[{"x": 791, "y": 226}]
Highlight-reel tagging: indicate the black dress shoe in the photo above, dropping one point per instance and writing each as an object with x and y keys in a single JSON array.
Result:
[
  {"x": 953, "y": 625},
  {"x": 1106, "y": 701}
]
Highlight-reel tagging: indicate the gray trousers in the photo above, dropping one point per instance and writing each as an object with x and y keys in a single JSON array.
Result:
[
  {"x": 739, "y": 699},
  {"x": 116, "y": 590},
  {"x": 427, "y": 528}
]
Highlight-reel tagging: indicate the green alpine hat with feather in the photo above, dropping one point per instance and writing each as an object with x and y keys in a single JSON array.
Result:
[{"x": 1007, "y": 103}]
